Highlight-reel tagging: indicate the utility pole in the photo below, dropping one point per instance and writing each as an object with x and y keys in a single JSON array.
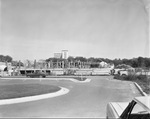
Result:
[
  {"x": 148, "y": 13},
  {"x": 147, "y": 10},
  {"x": 0, "y": 20}
]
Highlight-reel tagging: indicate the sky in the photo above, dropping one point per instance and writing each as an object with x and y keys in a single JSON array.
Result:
[{"x": 36, "y": 29}]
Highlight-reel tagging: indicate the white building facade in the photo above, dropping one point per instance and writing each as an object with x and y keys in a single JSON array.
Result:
[{"x": 64, "y": 54}]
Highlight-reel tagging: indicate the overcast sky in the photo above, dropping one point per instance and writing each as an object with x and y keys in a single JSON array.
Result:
[{"x": 35, "y": 29}]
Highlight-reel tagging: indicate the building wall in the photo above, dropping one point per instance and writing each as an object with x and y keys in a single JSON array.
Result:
[
  {"x": 64, "y": 54},
  {"x": 57, "y": 55},
  {"x": 5, "y": 68}
]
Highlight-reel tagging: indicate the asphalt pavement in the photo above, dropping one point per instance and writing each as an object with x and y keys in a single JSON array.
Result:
[{"x": 84, "y": 99}]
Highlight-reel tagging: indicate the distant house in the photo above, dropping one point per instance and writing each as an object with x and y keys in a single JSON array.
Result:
[
  {"x": 103, "y": 64},
  {"x": 3, "y": 66},
  {"x": 5, "y": 69},
  {"x": 111, "y": 66},
  {"x": 58, "y": 55}
]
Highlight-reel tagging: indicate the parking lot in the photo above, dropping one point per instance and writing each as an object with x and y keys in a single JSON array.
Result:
[{"x": 84, "y": 99}]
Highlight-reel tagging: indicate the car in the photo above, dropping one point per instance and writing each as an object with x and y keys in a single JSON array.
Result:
[
  {"x": 36, "y": 74},
  {"x": 138, "y": 108},
  {"x": 115, "y": 71}
]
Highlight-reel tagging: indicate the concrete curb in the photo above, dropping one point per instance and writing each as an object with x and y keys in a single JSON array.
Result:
[
  {"x": 74, "y": 80},
  {"x": 86, "y": 81},
  {"x": 62, "y": 91},
  {"x": 57, "y": 79},
  {"x": 140, "y": 89}
]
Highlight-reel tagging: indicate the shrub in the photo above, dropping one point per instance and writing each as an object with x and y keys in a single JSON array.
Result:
[
  {"x": 117, "y": 76},
  {"x": 130, "y": 77},
  {"x": 144, "y": 78}
]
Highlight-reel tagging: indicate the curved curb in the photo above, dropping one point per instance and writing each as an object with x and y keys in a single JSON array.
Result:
[
  {"x": 72, "y": 79},
  {"x": 57, "y": 79},
  {"x": 85, "y": 81},
  {"x": 62, "y": 91},
  {"x": 140, "y": 89}
]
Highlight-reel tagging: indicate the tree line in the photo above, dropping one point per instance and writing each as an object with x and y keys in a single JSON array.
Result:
[
  {"x": 134, "y": 62},
  {"x": 8, "y": 58}
]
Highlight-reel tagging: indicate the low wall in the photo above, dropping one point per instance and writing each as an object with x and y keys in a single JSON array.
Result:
[
  {"x": 57, "y": 71},
  {"x": 87, "y": 71}
]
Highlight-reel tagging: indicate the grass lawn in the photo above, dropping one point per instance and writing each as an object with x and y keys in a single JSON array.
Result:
[
  {"x": 9, "y": 91},
  {"x": 144, "y": 85},
  {"x": 142, "y": 80}
]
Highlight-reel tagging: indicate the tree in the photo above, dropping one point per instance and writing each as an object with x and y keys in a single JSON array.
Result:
[
  {"x": 91, "y": 59},
  {"x": 117, "y": 62},
  {"x": 141, "y": 62},
  {"x": 28, "y": 63},
  {"x": 70, "y": 58},
  {"x": 134, "y": 62},
  {"x": 34, "y": 65},
  {"x": 97, "y": 60},
  {"x": 147, "y": 62},
  {"x": 82, "y": 59},
  {"x": 6, "y": 58},
  {"x": 17, "y": 63}
]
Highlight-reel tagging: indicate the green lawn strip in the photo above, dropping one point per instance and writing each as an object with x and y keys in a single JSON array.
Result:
[
  {"x": 144, "y": 85},
  {"x": 142, "y": 80},
  {"x": 24, "y": 90}
]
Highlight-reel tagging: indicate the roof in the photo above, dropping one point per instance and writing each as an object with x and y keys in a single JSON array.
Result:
[{"x": 144, "y": 101}]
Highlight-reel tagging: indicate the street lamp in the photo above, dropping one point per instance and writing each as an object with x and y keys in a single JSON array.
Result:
[
  {"x": 147, "y": 9},
  {"x": 148, "y": 13}
]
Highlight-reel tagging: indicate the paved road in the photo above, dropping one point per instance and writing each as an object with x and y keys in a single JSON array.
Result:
[{"x": 83, "y": 100}]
